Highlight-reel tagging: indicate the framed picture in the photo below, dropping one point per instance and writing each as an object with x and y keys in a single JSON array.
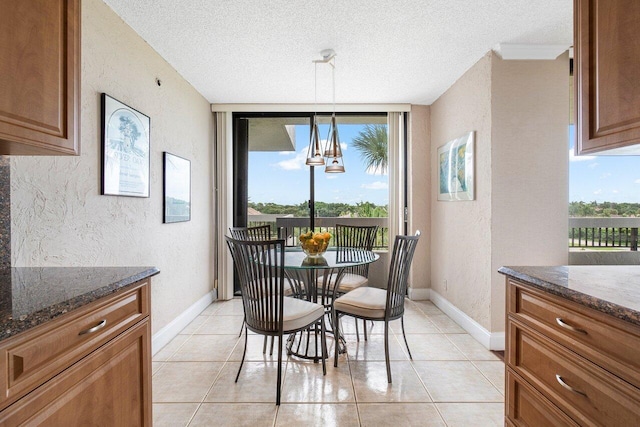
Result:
[
  {"x": 455, "y": 169},
  {"x": 125, "y": 149},
  {"x": 177, "y": 189}
]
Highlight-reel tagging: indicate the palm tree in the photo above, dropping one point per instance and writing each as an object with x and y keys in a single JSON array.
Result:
[{"x": 372, "y": 145}]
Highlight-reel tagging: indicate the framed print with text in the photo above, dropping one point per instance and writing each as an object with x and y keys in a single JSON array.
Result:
[{"x": 125, "y": 149}]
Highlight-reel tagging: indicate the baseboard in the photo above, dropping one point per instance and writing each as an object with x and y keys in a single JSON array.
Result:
[
  {"x": 166, "y": 334},
  {"x": 419, "y": 294},
  {"x": 492, "y": 341},
  {"x": 497, "y": 341}
]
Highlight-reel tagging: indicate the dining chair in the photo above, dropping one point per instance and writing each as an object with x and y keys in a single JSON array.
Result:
[
  {"x": 261, "y": 233},
  {"x": 353, "y": 236},
  {"x": 382, "y": 305},
  {"x": 260, "y": 269}
]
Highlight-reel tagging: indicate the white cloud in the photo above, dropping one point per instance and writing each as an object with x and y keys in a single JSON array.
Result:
[
  {"x": 594, "y": 165},
  {"x": 637, "y": 181},
  {"x": 377, "y": 185},
  {"x": 295, "y": 163},
  {"x": 599, "y": 191},
  {"x": 605, "y": 175},
  {"x": 615, "y": 191},
  {"x": 574, "y": 158}
]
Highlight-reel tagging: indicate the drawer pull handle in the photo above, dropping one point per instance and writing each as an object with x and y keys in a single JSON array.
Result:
[
  {"x": 568, "y": 387},
  {"x": 91, "y": 330},
  {"x": 562, "y": 324}
]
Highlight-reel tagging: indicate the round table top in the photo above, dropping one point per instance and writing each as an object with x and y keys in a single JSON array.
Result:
[{"x": 294, "y": 258}]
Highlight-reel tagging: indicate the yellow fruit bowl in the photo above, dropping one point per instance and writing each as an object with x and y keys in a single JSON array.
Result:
[{"x": 314, "y": 244}]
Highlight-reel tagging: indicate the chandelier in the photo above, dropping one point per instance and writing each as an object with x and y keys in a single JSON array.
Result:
[{"x": 332, "y": 155}]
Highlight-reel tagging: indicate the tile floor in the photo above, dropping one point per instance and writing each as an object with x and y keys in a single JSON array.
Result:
[{"x": 452, "y": 380}]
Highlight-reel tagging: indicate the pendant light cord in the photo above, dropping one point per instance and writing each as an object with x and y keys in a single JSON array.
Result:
[{"x": 333, "y": 77}]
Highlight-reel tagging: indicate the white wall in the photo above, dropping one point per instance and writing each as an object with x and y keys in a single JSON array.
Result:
[
  {"x": 530, "y": 168},
  {"x": 58, "y": 216},
  {"x": 520, "y": 113},
  {"x": 461, "y": 231}
]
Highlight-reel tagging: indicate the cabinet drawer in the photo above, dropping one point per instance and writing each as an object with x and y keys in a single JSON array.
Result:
[
  {"x": 110, "y": 387},
  {"x": 602, "y": 339},
  {"x": 31, "y": 358},
  {"x": 527, "y": 407},
  {"x": 587, "y": 393}
]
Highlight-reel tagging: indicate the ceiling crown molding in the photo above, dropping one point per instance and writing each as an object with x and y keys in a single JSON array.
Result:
[{"x": 530, "y": 51}]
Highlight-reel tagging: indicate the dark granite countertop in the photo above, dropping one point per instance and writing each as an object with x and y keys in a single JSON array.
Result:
[
  {"x": 31, "y": 296},
  {"x": 610, "y": 289}
]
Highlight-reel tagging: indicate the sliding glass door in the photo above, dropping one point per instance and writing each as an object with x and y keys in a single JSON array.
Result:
[
  {"x": 272, "y": 183},
  {"x": 271, "y": 179},
  {"x": 360, "y": 195}
]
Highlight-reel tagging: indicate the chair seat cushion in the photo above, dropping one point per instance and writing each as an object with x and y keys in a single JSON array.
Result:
[
  {"x": 363, "y": 302},
  {"x": 348, "y": 282},
  {"x": 299, "y": 313}
]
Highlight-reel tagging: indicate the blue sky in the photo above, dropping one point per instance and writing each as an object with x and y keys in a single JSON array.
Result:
[
  {"x": 283, "y": 177},
  {"x": 603, "y": 178}
]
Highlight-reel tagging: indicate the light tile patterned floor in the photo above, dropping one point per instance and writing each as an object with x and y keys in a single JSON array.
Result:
[{"x": 451, "y": 381}]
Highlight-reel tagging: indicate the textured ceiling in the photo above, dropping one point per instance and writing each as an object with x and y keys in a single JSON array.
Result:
[{"x": 388, "y": 51}]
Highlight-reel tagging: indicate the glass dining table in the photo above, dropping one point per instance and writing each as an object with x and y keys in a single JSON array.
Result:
[{"x": 317, "y": 279}]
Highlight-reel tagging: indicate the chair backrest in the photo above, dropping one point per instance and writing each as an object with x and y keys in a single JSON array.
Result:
[
  {"x": 356, "y": 236},
  {"x": 260, "y": 232},
  {"x": 259, "y": 267},
  {"x": 403, "y": 250}
]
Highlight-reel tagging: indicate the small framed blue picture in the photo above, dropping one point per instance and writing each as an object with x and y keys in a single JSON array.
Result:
[{"x": 177, "y": 189}]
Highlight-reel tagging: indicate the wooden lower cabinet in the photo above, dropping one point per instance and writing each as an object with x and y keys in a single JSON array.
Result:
[
  {"x": 107, "y": 388},
  {"x": 88, "y": 367},
  {"x": 566, "y": 364},
  {"x": 527, "y": 407}
]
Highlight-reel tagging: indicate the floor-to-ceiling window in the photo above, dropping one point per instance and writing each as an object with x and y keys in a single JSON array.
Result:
[
  {"x": 261, "y": 176},
  {"x": 273, "y": 185}
]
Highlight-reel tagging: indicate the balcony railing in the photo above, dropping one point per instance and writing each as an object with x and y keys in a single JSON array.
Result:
[
  {"x": 289, "y": 228},
  {"x": 595, "y": 233}
]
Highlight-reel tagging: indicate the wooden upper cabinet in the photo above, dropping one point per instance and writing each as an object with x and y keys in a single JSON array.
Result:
[
  {"x": 607, "y": 76},
  {"x": 40, "y": 77}
]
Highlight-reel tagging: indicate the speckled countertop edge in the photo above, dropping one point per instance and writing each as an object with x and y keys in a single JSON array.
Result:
[
  {"x": 556, "y": 283},
  {"x": 10, "y": 327}
]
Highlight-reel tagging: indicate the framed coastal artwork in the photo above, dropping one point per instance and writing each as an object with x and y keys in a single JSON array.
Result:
[
  {"x": 456, "y": 169},
  {"x": 125, "y": 149},
  {"x": 177, "y": 189}
]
